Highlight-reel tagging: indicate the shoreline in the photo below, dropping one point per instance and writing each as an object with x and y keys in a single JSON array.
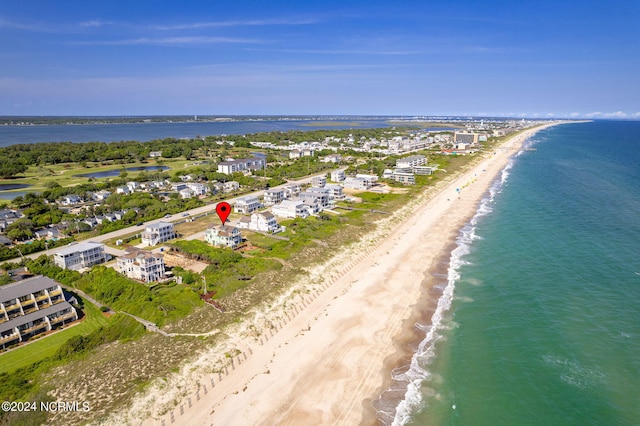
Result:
[{"x": 332, "y": 358}]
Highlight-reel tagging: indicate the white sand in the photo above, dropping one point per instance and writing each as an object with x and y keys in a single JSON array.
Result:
[{"x": 325, "y": 360}]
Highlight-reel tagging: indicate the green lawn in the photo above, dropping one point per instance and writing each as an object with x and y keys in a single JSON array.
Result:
[{"x": 46, "y": 346}]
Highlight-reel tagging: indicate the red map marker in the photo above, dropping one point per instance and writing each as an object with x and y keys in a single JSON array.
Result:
[{"x": 224, "y": 210}]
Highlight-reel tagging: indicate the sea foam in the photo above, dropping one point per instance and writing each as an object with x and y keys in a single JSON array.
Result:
[{"x": 413, "y": 377}]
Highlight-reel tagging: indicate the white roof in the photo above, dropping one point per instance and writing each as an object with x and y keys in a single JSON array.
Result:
[{"x": 89, "y": 245}]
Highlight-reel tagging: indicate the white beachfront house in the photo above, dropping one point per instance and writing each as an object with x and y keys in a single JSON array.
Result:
[
  {"x": 141, "y": 265},
  {"x": 156, "y": 233},
  {"x": 371, "y": 178},
  {"x": 80, "y": 256},
  {"x": 223, "y": 236},
  {"x": 263, "y": 222},
  {"x": 290, "y": 209},
  {"x": 246, "y": 205},
  {"x": 291, "y": 190},
  {"x": 357, "y": 183}
]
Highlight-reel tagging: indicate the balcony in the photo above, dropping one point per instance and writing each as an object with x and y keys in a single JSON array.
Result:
[
  {"x": 11, "y": 307},
  {"x": 30, "y": 310},
  {"x": 9, "y": 338},
  {"x": 34, "y": 328},
  {"x": 55, "y": 293},
  {"x": 62, "y": 318},
  {"x": 42, "y": 297},
  {"x": 26, "y": 302}
]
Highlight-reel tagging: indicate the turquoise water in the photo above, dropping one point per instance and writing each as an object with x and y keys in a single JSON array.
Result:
[{"x": 543, "y": 326}]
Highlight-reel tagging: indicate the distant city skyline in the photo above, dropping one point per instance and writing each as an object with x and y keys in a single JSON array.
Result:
[{"x": 533, "y": 59}]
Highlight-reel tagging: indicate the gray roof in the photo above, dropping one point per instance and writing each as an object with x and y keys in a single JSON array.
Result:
[
  {"x": 24, "y": 287},
  {"x": 89, "y": 245},
  {"x": 18, "y": 321}
]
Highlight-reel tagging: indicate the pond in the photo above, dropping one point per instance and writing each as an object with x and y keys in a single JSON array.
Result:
[
  {"x": 8, "y": 195},
  {"x": 116, "y": 172}
]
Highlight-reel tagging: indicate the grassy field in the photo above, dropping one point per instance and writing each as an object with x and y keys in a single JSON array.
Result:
[{"x": 46, "y": 346}]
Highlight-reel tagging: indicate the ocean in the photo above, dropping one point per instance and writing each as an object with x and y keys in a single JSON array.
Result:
[{"x": 539, "y": 322}]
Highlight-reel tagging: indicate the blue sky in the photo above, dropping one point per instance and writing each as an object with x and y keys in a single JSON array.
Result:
[{"x": 494, "y": 58}]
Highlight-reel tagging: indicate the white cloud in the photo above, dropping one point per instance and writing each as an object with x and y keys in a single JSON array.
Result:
[
  {"x": 574, "y": 114},
  {"x": 617, "y": 114},
  {"x": 594, "y": 114},
  {"x": 170, "y": 41},
  {"x": 241, "y": 23}
]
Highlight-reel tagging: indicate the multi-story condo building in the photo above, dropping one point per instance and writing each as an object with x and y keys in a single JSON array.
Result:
[
  {"x": 78, "y": 256},
  {"x": 141, "y": 265},
  {"x": 246, "y": 205},
  {"x": 411, "y": 161},
  {"x": 463, "y": 137},
  {"x": 31, "y": 307},
  {"x": 233, "y": 166},
  {"x": 223, "y": 235},
  {"x": 156, "y": 233}
]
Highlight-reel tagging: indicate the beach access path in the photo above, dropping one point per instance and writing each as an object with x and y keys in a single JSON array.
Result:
[{"x": 326, "y": 364}]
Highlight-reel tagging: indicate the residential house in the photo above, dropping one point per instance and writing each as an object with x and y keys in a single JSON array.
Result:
[
  {"x": 290, "y": 209},
  {"x": 158, "y": 232},
  {"x": 295, "y": 154},
  {"x": 262, "y": 221},
  {"x": 320, "y": 195},
  {"x": 123, "y": 190},
  {"x": 33, "y": 306},
  {"x": 371, "y": 178},
  {"x": 70, "y": 199},
  {"x": 230, "y": 186},
  {"x": 198, "y": 188},
  {"x": 273, "y": 196},
  {"x": 338, "y": 175},
  {"x": 319, "y": 181},
  {"x": 78, "y": 256},
  {"x": 292, "y": 190},
  {"x": 332, "y": 158},
  {"x": 223, "y": 235},
  {"x": 336, "y": 192},
  {"x": 141, "y": 265},
  {"x": 155, "y": 154},
  {"x": 357, "y": 183},
  {"x": 312, "y": 206},
  {"x": 186, "y": 193},
  {"x": 100, "y": 195},
  {"x": 246, "y": 205}
]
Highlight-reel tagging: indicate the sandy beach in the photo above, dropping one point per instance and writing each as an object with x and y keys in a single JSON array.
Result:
[{"x": 334, "y": 339}]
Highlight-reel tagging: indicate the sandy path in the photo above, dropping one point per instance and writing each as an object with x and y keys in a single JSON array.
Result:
[{"x": 327, "y": 362}]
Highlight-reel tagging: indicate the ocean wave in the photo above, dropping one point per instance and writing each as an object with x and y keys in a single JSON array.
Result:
[{"x": 413, "y": 378}]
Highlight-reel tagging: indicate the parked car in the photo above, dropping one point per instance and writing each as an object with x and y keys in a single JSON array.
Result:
[{"x": 185, "y": 214}]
